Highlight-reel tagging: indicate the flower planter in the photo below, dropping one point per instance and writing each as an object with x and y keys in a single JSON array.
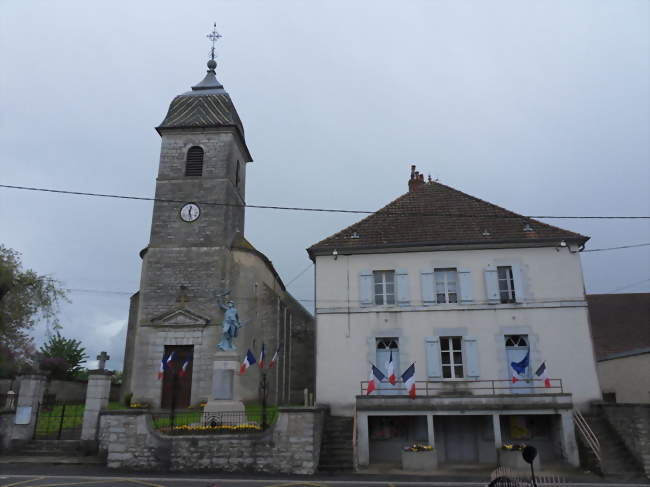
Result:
[
  {"x": 513, "y": 459},
  {"x": 419, "y": 460}
]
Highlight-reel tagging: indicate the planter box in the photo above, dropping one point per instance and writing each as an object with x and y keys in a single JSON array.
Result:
[
  {"x": 419, "y": 460},
  {"x": 513, "y": 459}
]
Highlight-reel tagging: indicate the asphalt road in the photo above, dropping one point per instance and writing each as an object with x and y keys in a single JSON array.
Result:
[{"x": 216, "y": 481}]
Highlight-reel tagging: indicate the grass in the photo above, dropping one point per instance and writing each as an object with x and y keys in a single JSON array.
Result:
[{"x": 53, "y": 418}]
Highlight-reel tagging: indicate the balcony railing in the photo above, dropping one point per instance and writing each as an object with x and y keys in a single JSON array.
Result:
[{"x": 455, "y": 388}]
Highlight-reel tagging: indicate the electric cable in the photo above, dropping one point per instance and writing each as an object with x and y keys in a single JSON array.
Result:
[{"x": 322, "y": 210}]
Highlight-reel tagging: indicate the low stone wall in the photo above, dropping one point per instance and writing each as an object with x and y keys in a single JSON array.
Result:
[
  {"x": 292, "y": 445},
  {"x": 7, "y": 418},
  {"x": 632, "y": 423}
]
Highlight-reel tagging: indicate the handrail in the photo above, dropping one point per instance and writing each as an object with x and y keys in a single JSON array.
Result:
[
  {"x": 587, "y": 433},
  {"x": 492, "y": 387}
]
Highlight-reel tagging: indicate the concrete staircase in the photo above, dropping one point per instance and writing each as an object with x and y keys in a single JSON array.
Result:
[
  {"x": 616, "y": 460},
  {"x": 70, "y": 452},
  {"x": 336, "y": 454}
]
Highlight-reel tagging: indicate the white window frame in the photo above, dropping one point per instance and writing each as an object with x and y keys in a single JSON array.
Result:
[
  {"x": 452, "y": 364},
  {"x": 509, "y": 284},
  {"x": 382, "y": 279},
  {"x": 445, "y": 282}
]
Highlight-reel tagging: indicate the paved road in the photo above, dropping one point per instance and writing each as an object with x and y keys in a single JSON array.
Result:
[{"x": 207, "y": 481}]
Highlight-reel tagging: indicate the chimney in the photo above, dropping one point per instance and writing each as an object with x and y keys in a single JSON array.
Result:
[{"x": 416, "y": 179}]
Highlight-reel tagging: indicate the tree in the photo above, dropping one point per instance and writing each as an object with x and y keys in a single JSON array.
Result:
[
  {"x": 25, "y": 299},
  {"x": 62, "y": 356}
]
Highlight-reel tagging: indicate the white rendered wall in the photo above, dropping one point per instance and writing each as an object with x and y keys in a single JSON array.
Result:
[
  {"x": 554, "y": 315},
  {"x": 628, "y": 377}
]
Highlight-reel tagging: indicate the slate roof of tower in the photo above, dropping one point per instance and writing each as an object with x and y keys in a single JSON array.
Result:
[
  {"x": 206, "y": 105},
  {"x": 437, "y": 215}
]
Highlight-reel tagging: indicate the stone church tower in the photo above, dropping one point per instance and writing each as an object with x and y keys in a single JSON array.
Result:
[{"x": 196, "y": 251}]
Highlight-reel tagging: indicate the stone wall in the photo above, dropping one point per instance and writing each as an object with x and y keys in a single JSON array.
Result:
[
  {"x": 292, "y": 445},
  {"x": 632, "y": 423},
  {"x": 7, "y": 418}
]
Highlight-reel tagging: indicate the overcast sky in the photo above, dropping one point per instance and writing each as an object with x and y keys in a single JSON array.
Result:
[{"x": 541, "y": 107}]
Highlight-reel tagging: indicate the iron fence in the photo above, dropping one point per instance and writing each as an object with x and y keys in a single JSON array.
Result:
[
  {"x": 59, "y": 420},
  {"x": 223, "y": 422},
  {"x": 492, "y": 387}
]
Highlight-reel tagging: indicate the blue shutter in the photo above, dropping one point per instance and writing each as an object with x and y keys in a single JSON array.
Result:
[
  {"x": 434, "y": 369},
  {"x": 426, "y": 284},
  {"x": 465, "y": 285},
  {"x": 518, "y": 278},
  {"x": 492, "y": 284},
  {"x": 402, "y": 287},
  {"x": 472, "y": 363},
  {"x": 366, "y": 288}
]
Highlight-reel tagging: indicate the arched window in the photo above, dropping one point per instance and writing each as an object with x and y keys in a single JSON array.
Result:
[{"x": 194, "y": 164}]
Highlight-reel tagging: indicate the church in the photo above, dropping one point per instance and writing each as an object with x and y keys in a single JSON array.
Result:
[{"x": 198, "y": 259}]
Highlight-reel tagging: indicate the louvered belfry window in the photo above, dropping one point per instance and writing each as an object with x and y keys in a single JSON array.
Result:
[{"x": 194, "y": 164}]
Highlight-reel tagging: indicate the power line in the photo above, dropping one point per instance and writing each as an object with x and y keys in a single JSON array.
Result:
[
  {"x": 629, "y": 285},
  {"x": 299, "y": 274},
  {"x": 322, "y": 210},
  {"x": 620, "y": 247}
]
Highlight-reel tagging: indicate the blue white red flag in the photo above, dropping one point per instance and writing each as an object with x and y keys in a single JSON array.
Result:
[
  {"x": 274, "y": 359},
  {"x": 408, "y": 377},
  {"x": 519, "y": 367},
  {"x": 390, "y": 369},
  {"x": 170, "y": 359},
  {"x": 543, "y": 374},
  {"x": 262, "y": 353},
  {"x": 248, "y": 361},
  {"x": 183, "y": 370},
  {"x": 376, "y": 376},
  {"x": 163, "y": 367}
]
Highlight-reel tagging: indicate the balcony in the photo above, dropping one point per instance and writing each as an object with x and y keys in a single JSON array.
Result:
[{"x": 467, "y": 395}]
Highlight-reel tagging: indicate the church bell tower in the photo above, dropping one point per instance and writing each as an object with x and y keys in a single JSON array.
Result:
[{"x": 198, "y": 212}]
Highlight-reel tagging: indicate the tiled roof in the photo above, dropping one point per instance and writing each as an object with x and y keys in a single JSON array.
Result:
[
  {"x": 433, "y": 214},
  {"x": 195, "y": 109},
  {"x": 619, "y": 322}
]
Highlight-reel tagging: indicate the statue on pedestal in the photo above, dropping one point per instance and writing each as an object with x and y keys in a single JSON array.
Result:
[{"x": 231, "y": 323}]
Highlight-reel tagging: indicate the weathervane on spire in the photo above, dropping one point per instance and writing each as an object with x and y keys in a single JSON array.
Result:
[{"x": 214, "y": 36}]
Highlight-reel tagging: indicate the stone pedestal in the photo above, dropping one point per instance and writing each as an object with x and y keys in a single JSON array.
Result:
[
  {"x": 30, "y": 396},
  {"x": 97, "y": 395},
  {"x": 225, "y": 371}
]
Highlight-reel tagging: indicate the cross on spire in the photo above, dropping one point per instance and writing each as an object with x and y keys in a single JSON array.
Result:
[{"x": 214, "y": 36}]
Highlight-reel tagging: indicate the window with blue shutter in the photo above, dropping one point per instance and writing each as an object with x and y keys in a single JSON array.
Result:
[
  {"x": 426, "y": 286},
  {"x": 465, "y": 285},
  {"x": 434, "y": 370},
  {"x": 402, "y": 285},
  {"x": 491, "y": 284},
  {"x": 366, "y": 288},
  {"x": 472, "y": 363}
]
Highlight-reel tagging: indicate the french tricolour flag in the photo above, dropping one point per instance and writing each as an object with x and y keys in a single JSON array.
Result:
[
  {"x": 376, "y": 376},
  {"x": 170, "y": 359},
  {"x": 163, "y": 367},
  {"x": 262, "y": 353},
  {"x": 520, "y": 367},
  {"x": 542, "y": 374},
  {"x": 390, "y": 369},
  {"x": 183, "y": 370},
  {"x": 408, "y": 378},
  {"x": 274, "y": 359},
  {"x": 248, "y": 361}
]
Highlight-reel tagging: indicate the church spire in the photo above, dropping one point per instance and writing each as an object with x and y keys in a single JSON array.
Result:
[{"x": 210, "y": 82}]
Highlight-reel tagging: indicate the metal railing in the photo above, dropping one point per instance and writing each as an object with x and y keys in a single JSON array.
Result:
[
  {"x": 492, "y": 387},
  {"x": 223, "y": 422},
  {"x": 59, "y": 420},
  {"x": 587, "y": 433}
]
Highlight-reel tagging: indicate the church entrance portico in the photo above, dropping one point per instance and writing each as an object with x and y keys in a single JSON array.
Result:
[{"x": 177, "y": 380}]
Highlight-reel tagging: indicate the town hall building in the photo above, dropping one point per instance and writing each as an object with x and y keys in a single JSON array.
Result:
[
  {"x": 490, "y": 307},
  {"x": 198, "y": 258}
]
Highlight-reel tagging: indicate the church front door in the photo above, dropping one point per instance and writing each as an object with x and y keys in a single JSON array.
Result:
[{"x": 177, "y": 383}]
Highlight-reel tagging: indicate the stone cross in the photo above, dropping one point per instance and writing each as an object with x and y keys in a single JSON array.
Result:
[{"x": 102, "y": 357}]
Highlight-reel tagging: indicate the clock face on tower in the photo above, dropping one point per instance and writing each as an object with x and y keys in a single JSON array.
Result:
[{"x": 190, "y": 212}]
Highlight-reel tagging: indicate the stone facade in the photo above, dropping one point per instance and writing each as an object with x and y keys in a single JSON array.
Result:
[
  {"x": 632, "y": 423},
  {"x": 187, "y": 264},
  {"x": 292, "y": 445}
]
